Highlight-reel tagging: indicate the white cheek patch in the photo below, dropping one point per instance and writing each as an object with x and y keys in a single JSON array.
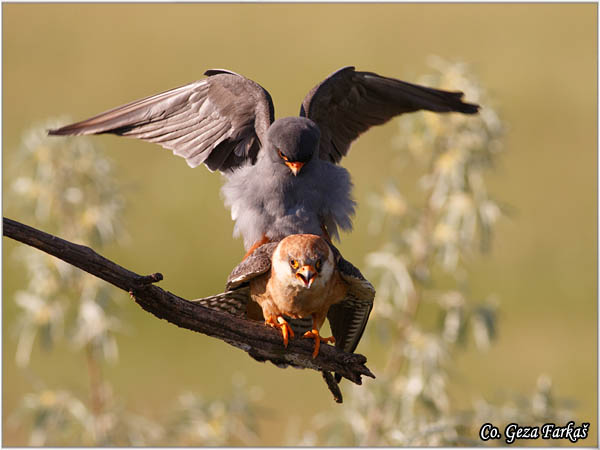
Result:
[
  {"x": 281, "y": 268},
  {"x": 326, "y": 272},
  {"x": 278, "y": 265}
]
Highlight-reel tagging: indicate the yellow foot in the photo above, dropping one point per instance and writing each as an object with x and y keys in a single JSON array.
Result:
[
  {"x": 286, "y": 329},
  {"x": 317, "y": 337}
]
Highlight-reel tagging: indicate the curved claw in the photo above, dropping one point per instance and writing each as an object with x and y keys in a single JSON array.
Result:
[
  {"x": 314, "y": 333},
  {"x": 286, "y": 329}
]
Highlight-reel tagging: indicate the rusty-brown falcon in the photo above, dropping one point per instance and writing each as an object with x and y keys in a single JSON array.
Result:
[{"x": 300, "y": 277}]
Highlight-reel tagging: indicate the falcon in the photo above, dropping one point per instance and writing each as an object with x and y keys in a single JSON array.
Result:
[
  {"x": 282, "y": 176},
  {"x": 300, "y": 277}
]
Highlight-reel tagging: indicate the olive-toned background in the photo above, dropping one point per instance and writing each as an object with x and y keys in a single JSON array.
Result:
[{"x": 539, "y": 62}]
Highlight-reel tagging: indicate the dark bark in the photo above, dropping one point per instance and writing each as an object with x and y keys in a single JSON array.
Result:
[{"x": 259, "y": 341}]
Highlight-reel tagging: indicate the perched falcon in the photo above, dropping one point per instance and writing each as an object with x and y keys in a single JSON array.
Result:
[
  {"x": 282, "y": 175},
  {"x": 300, "y": 277}
]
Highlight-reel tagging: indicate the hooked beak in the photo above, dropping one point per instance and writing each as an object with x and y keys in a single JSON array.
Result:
[
  {"x": 307, "y": 274},
  {"x": 294, "y": 166}
]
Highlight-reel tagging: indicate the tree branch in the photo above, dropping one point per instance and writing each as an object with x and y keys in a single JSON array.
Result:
[{"x": 260, "y": 342}]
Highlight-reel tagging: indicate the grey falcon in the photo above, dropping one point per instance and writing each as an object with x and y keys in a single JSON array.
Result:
[
  {"x": 296, "y": 283},
  {"x": 282, "y": 176}
]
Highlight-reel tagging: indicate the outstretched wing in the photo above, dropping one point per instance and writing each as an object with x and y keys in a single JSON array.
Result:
[
  {"x": 348, "y": 103},
  {"x": 349, "y": 317},
  {"x": 219, "y": 121},
  {"x": 232, "y": 302},
  {"x": 236, "y": 298}
]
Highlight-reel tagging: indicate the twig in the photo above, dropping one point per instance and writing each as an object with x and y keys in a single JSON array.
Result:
[
  {"x": 260, "y": 342},
  {"x": 333, "y": 387}
]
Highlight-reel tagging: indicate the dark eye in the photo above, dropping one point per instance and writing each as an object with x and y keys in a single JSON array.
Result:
[
  {"x": 282, "y": 156},
  {"x": 318, "y": 265},
  {"x": 294, "y": 263}
]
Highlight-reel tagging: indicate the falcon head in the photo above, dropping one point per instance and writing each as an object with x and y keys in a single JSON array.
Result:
[
  {"x": 293, "y": 141},
  {"x": 304, "y": 261}
]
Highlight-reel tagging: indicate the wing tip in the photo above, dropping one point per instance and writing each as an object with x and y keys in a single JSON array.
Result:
[
  {"x": 211, "y": 72},
  {"x": 75, "y": 130},
  {"x": 63, "y": 131},
  {"x": 457, "y": 102},
  {"x": 468, "y": 108}
]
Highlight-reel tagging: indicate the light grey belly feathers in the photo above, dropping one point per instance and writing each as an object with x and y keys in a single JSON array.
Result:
[{"x": 265, "y": 200}]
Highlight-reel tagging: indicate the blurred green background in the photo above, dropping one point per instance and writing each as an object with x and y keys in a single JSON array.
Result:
[{"x": 538, "y": 61}]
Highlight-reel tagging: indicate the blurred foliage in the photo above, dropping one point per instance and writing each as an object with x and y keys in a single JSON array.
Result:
[
  {"x": 423, "y": 261},
  {"x": 217, "y": 423},
  {"x": 70, "y": 188}
]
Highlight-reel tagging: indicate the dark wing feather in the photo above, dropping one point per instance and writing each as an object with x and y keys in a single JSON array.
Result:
[
  {"x": 236, "y": 302},
  {"x": 349, "y": 317},
  {"x": 348, "y": 103},
  {"x": 232, "y": 302},
  {"x": 237, "y": 294},
  {"x": 219, "y": 121},
  {"x": 256, "y": 264}
]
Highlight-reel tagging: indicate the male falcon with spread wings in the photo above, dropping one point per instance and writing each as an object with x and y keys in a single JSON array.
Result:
[
  {"x": 282, "y": 175},
  {"x": 301, "y": 276}
]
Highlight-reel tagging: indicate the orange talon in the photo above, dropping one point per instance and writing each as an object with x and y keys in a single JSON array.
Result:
[
  {"x": 286, "y": 329},
  {"x": 317, "y": 337}
]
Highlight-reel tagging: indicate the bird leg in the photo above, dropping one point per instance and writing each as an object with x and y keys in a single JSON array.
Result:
[
  {"x": 314, "y": 333},
  {"x": 280, "y": 322},
  {"x": 262, "y": 241}
]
